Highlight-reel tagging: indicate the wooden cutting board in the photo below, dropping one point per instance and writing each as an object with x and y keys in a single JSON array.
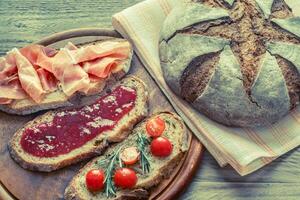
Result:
[{"x": 18, "y": 183}]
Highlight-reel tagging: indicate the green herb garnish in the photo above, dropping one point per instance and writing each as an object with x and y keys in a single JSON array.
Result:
[
  {"x": 112, "y": 160},
  {"x": 142, "y": 142}
]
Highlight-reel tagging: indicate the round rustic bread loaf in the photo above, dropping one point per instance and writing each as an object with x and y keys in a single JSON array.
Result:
[{"x": 236, "y": 61}]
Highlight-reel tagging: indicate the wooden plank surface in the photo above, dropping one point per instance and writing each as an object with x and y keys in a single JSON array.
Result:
[{"x": 25, "y": 21}]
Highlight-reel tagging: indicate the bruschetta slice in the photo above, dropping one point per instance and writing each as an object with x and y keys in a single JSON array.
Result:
[
  {"x": 62, "y": 137},
  {"x": 161, "y": 142}
]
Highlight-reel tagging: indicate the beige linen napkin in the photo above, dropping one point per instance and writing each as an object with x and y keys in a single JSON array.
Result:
[{"x": 245, "y": 149}]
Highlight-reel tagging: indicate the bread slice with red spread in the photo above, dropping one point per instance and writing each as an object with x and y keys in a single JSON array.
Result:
[
  {"x": 66, "y": 136},
  {"x": 56, "y": 97},
  {"x": 160, "y": 167}
]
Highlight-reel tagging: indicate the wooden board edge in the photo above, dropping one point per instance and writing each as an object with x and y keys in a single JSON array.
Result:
[
  {"x": 5, "y": 194},
  {"x": 56, "y": 37},
  {"x": 186, "y": 172}
]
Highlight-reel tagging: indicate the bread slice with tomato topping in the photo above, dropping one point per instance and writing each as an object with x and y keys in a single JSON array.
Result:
[
  {"x": 54, "y": 93},
  {"x": 62, "y": 137},
  {"x": 161, "y": 166}
]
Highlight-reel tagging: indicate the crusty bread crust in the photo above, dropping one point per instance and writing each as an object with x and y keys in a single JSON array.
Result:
[
  {"x": 93, "y": 147},
  {"x": 160, "y": 171},
  {"x": 58, "y": 99},
  {"x": 225, "y": 62}
]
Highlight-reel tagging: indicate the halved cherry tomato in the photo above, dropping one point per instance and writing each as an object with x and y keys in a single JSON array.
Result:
[
  {"x": 95, "y": 180},
  {"x": 130, "y": 155},
  {"x": 155, "y": 126},
  {"x": 125, "y": 178},
  {"x": 161, "y": 147}
]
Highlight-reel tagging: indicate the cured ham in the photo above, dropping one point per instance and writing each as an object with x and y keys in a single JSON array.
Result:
[
  {"x": 5, "y": 101},
  {"x": 28, "y": 77},
  {"x": 35, "y": 70},
  {"x": 7, "y": 68},
  {"x": 105, "y": 49},
  {"x": 49, "y": 82},
  {"x": 101, "y": 67},
  {"x": 34, "y": 51},
  {"x": 12, "y": 90},
  {"x": 70, "y": 75},
  {"x": 10, "y": 86},
  {"x": 95, "y": 85}
]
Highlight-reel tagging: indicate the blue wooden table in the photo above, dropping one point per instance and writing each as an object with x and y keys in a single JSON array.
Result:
[{"x": 25, "y": 21}]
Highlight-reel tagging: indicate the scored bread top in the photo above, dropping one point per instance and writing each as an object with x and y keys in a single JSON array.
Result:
[
  {"x": 235, "y": 61},
  {"x": 91, "y": 148},
  {"x": 160, "y": 168}
]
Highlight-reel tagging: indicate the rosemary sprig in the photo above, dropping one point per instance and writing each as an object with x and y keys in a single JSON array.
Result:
[
  {"x": 142, "y": 142},
  {"x": 112, "y": 160}
]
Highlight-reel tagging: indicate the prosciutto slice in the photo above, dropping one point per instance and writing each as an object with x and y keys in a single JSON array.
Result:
[
  {"x": 70, "y": 75},
  {"x": 28, "y": 77},
  {"x": 93, "y": 85},
  {"x": 35, "y": 70},
  {"x": 5, "y": 101},
  {"x": 12, "y": 89},
  {"x": 34, "y": 51},
  {"x": 10, "y": 86},
  {"x": 8, "y": 68},
  {"x": 49, "y": 82},
  {"x": 101, "y": 67},
  {"x": 120, "y": 50}
]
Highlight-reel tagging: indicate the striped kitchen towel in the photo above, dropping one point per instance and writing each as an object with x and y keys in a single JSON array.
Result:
[{"x": 245, "y": 149}]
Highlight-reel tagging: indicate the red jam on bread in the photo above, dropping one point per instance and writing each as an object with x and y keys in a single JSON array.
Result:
[{"x": 72, "y": 128}]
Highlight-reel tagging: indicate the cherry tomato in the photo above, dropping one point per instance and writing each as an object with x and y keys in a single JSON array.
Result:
[
  {"x": 161, "y": 147},
  {"x": 95, "y": 180},
  {"x": 125, "y": 178},
  {"x": 130, "y": 155},
  {"x": 155, "y": 126}
]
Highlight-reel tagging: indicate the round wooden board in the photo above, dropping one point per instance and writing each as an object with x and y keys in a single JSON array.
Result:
[{"x": 17, "y": 183}]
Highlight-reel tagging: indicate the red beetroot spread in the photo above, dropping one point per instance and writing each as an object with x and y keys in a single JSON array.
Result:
[{"x": 72, "y": 128}]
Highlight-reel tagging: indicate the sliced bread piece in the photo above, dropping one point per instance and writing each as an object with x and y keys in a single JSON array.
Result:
[
  {"x": 58, "y": 98},
  {"x": 44, "y": 161},
  {"x": 160, "y": 167}
]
